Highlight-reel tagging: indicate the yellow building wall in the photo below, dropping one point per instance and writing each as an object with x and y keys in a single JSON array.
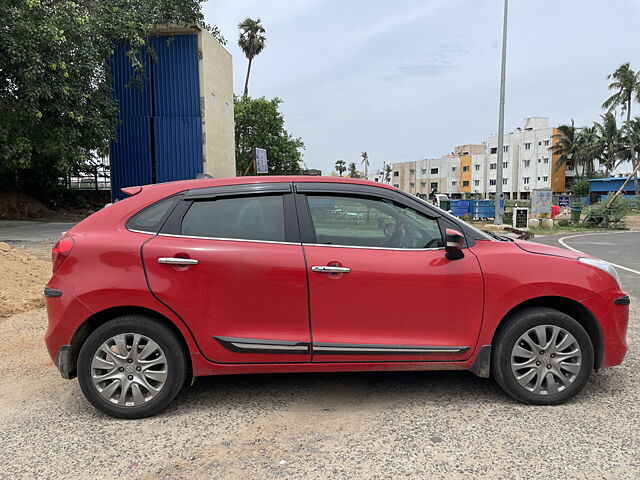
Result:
[
  {"x": 558, "y": 176},
  {"x": 465, "y": 161}
]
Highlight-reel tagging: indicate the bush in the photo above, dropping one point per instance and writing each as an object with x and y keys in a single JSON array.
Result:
[
  {"x": 601, "y": 215},
  {"x": 580, "y": 188},
  {"x": 564, "y": 223}
]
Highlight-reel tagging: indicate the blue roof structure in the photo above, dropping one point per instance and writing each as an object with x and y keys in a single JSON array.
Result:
[{"x": 611, "y": 184}]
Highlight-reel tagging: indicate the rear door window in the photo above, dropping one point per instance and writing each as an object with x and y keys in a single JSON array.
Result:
[
  {"x": 151, "y": 218},
  {"x": 238, "y": 218}
]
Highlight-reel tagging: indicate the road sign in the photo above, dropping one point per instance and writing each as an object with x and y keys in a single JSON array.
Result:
[
  {"x": 262, "y": 165},
  {"x": 520, "y": 218},
  {"x": 563, "y": 200}
]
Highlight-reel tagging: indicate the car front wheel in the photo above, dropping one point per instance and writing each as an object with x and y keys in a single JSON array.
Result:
[
  {"x": 542, "y": 356},
  {"x": 131, "y": 367}
]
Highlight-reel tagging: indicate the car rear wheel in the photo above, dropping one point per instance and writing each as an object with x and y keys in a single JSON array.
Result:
[
  {"x": 131, "y": 367},
  {"x": 542, "y": 356}
]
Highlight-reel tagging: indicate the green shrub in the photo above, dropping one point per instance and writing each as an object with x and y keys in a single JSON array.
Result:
[
  {"x": 605, "y": 216},
  {"x": 580, "y": 188},
  {"x": 564, "y": 223}
]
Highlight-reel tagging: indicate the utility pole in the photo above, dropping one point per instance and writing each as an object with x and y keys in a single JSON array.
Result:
[{"x": 500, "y": 149}]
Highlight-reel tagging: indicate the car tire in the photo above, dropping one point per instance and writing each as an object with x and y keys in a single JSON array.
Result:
[
  {"x": 132, "y": 367},
  {"x": 539, "y": 371}
]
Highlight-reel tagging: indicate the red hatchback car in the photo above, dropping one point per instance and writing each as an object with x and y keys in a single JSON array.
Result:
[{"x": 300, "y": 274}]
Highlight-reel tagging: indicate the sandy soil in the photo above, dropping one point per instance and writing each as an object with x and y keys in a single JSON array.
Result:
[{"x": 22, "y": 280}]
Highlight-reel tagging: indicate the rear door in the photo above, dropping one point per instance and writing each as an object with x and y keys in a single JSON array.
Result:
[{"x": 229, "y": 262}]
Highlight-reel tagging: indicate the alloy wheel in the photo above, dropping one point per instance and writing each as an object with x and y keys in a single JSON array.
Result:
[
  {"x": 546, "y": 359},
  {"x": 129, "y": 369}
]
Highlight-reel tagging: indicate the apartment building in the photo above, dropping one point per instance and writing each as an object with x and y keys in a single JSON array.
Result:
[{"x": 527, "y": 164}]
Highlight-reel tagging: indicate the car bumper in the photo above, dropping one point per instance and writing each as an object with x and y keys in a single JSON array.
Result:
[{"x": 611, "y": 308}]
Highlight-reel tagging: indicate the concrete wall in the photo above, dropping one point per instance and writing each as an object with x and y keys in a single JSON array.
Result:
[{"x": 216, "y": 102}]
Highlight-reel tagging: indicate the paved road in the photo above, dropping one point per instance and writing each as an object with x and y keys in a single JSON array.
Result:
[
  {"x": 619, "y": 248},
  {"x": 415, "y": 425},
  {"x": 25, "y": 231}
]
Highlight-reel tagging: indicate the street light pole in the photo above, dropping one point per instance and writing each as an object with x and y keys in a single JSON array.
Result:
[{"x": 500, "y": 149}]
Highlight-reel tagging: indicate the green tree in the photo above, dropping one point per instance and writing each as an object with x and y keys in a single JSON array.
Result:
[
  {"x": 589, "y": 149},
  {"x": 387, "y": 173},
  {"x": 566, "y": 146},
  {"x": 353, "y": 170},
  {"x": 365, "y": 162},
  {"x": 56, "y": 105},
  {"x": 626, "y": 84},
  {"x": 260, "y": 124},
  {"x": 610, "y": 142},
  {"x": 341, "y": 167},
  {"x": 252, "y": 42}
]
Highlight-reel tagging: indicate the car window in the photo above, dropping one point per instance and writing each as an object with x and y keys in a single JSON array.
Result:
[
  {"x": 371, "y": 222},
  {"x": 151, "y": 218},
  {"x": 246, "y": 218}
]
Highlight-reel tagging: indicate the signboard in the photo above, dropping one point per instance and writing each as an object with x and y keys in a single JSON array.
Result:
[
  {"x": 520, "y": 218},
  {"x": 541, "y": 202},
  {"x": 563, "y": 200},
  {"x": 262, "y": 166}
]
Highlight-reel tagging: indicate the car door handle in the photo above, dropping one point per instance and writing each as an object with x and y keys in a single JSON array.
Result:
[
  {"x": 177, "y": 261},
  {"x": 329, "y": 269}
]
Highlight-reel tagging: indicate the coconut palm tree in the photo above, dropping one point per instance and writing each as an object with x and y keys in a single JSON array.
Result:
[
  {"x": 251, "y": 41},
  {"x": 589, "y": 149},
  {"x": 387, "y": 173},
  {"x": 610, "y": 142},
  {"x": 626, "y": 84},
  {"x": 566, "y": 146},
  {"x": 353, "y": 170},
  {"x": 365, "y": 162},
  {"x": 341, "y": 167}
]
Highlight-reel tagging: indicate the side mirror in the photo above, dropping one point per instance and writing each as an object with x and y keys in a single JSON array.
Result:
[{"x": 453, "y": 244}]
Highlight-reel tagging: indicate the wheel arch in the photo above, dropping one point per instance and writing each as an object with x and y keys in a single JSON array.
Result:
[
  {"x": 100, "y": 318},
  {"x": 574, "y": 309}
]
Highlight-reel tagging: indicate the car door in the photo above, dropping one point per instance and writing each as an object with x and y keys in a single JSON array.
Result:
[
  {"x": 229, "y": 262},
  {"x": 380, "y": 286}
]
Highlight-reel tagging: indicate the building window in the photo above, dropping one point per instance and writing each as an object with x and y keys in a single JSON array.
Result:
[
  {"x": 465, "y": 183},
  {"x": 477, "y": 167},
  {"x": 539, "y": 143},
  {"x": 545, "y": 159},
  {"x": 434, "y": 185},
  {"x": 412, "y": 171},
  {"x": 494, "y": 149},
  {"x": 453, "y": 183},
  {"x": 476, "y": 183},
  {"x": 434, "y": 171},
  {"x": 396, "y": 185},
  {"x": 465, "y": 168},
  {"x": 505, "y": 164},
  {"x": 527, "y": 146},
  {"x": 505, "y": 148},
  {"x": 525, "y": 180},
  {"x": 396, "y": 174},
  {"x": 453, "y": 169},
  {"x": 492, "y": 182},
  {"x": 545, "y": 179},
  {"x": 527, "y": 163},
  {"x": 546, "y": 143},
  {"x": 538, "y": 178},
  {"x": 492, "y": 166},
  {"x": 504, "y": 181}
]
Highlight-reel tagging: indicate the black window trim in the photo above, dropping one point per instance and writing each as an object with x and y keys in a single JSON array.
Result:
[{"x": 173, "y": 225}]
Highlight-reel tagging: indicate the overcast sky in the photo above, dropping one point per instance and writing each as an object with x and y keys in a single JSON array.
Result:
[{"x": 407, "y": 79}]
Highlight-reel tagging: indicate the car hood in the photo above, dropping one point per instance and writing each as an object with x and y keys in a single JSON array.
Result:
[{"x": 541, "y": 249}]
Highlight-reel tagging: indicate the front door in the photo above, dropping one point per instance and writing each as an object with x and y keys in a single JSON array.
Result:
[
  {"x": 381, "y": 288},
  {"x": 235, "y": 276}
]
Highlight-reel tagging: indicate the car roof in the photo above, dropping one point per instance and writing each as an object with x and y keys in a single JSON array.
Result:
[{"x": 174, "y": 187}]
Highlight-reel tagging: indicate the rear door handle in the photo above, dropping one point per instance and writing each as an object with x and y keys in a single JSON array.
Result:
[
  {"x": 177, "y": 261},
  {"x": 329, "y": 269}
]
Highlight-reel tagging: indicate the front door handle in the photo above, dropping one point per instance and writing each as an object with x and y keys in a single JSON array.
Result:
[
  {"x": 329, "y": 269},
  {"x": 177, "y": 261}
]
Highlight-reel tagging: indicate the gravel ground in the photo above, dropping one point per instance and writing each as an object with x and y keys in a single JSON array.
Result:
[{"x": 362, "y": 425}]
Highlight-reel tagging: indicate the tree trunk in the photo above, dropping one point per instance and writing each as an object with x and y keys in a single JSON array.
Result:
[
  {"x": 632, "y": 147},
  {"x": 246, "y": 81}
]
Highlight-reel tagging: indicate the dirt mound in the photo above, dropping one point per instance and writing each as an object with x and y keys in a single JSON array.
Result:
[
  {"x": 21, "y": 281},
  {"x": 18, "y": 206}
]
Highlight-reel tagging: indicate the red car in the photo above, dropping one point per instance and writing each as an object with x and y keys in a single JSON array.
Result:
[{"x": 301, "y": 274}]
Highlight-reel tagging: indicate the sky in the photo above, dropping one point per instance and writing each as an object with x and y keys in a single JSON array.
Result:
[{"x": 409, "y": 79}]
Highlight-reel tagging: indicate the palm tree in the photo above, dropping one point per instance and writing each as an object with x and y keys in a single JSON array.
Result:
[
  {"x": 387, "y": 173},
  {"x": 365, "y": 162},
  {"x": 566, "y": 145},
  {"x": 341, "y": 166},
  {"x": 626, "y": 83},
  {"x": 610, "y": 139},
  {"x": 251, "y": 41},
  {"x": 589, "y": 149},
  {"x": 353, "y": 170}
]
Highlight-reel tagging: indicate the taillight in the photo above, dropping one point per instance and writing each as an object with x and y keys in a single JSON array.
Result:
[{"x": 61, "y": 251}]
